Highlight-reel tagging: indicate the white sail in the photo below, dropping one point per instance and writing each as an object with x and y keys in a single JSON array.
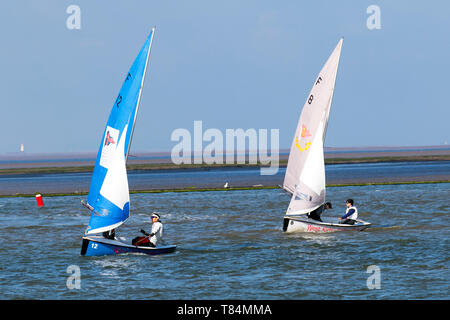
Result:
[
  {"x": 115, "y": 186},
  {"x": 313, "y": 173},
  {"x": 305, "y": 172},
  {"x": 309, "y": 193}
]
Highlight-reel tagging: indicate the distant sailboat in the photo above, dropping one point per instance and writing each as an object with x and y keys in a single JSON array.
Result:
[
  {"x": 305, "y": 172},
  {"x": 109, "y": 199},
  {"x": 22, "y": 149}
]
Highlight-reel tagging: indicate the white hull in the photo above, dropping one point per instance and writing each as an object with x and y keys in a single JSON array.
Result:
[{"x": 301, "y": 223}]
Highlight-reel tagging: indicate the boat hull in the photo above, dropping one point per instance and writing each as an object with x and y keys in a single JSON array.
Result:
[
  {"x": 99, "y": 246},
  {"x": 293, "y": 224}
]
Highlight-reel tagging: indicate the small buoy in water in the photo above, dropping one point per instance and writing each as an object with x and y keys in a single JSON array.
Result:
[{"x": 39, "y": 200}]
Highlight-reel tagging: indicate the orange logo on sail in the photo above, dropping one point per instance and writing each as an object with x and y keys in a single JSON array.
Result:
[{"x": 304, "y": 133}]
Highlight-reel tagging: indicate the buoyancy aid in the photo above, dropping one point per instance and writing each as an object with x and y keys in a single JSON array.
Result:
[{"x": 353, "y": 216}]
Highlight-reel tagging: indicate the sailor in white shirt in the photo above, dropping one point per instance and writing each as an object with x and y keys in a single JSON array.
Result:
[{"x": 157, "y": 230}]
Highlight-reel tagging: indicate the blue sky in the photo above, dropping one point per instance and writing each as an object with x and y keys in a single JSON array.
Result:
[{"x": 231, "y": 64}]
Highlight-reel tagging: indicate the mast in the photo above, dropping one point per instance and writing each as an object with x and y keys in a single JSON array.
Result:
[
  {"x": 332, "y": 93},
  {"x": 140, "y": 93}
]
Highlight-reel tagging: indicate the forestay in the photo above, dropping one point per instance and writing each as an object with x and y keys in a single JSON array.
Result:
[
  {"x": 305, "y": 173},
  {"x": 108, "y": 194}
]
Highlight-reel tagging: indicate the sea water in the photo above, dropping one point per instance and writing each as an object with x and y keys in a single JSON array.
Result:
[
  {"x": 231, "y": 246},
  {"x": 235, "y": 176}
]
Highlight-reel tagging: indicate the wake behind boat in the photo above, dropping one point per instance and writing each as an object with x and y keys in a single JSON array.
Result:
[
  {"x": 305, "y": 172},
  {"x": 109, "y": 197}
]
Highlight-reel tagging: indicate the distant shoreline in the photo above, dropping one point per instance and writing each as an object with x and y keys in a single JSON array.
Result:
[
  {"x": 148, "y": 164},
  {"x": 193, "y": 189},
  {"x": 70, "y": 167}
]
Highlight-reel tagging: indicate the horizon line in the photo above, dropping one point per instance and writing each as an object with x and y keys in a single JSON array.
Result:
[{"x": 284, "y": 150}]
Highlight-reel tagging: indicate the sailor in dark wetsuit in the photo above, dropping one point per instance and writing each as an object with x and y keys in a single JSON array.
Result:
[{"x": 315, "y": 214}]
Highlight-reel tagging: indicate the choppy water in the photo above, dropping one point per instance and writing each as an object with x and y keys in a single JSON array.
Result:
[{"x": 230, "y": 246}]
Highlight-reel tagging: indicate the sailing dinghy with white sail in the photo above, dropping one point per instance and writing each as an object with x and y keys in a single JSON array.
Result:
[
  {"x": 109, "y": 198},
  {"x": 305, "y": 172}
]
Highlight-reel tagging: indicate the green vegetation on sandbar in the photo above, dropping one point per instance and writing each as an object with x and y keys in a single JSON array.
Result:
[
  {"x": 255, "y": 187},
  {"x": 388, "y": 159},
  {"x": 171, "y": 166}
]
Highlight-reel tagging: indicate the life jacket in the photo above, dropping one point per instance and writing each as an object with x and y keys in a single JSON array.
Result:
[{"x": 354, "y": 216}]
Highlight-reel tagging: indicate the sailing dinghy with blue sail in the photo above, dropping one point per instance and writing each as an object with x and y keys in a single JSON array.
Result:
[
  {"x": 109, "y": 198},
  {"x": 305, "y": 172}
]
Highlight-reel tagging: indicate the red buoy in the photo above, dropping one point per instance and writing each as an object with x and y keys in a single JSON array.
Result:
[{"x": 39, "y": 200}]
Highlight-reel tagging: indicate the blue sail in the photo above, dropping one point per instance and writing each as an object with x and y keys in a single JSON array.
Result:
[{"x": 108, "y": 194}]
